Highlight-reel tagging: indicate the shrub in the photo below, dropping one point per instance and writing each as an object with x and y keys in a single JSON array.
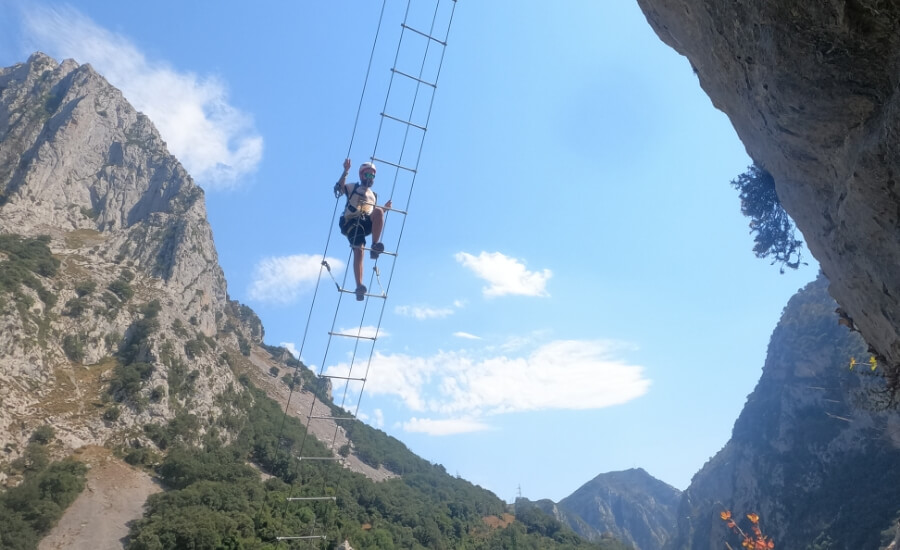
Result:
[
  {"x": 244, "y": 345},
  {"x": 151, "y": 309},
  {"x": 73, "y": 346},
  {"x": 112, "y": 413},
  {"x": 142, "y": 456},
  {"x": 193, "y": 348},
  {"x": 178, "y": 328},
  {"x": 75, "y": 307},
  {"x": 157, "y": 394},
  {"x": 128, "y": 379},
  {"x": 112, "y": 339},
  {"x": 773, "y": 227},
  {"x": 30, "y": 509},
  {"x": 121, "y": 289},
  {"x": 43, "y": 434},
  {"x": 83, "y": 288}
]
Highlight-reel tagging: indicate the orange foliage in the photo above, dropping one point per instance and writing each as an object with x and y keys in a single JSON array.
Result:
[{"x": 754, "y": 540}]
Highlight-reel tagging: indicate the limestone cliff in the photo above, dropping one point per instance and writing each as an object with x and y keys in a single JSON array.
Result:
[
  {"x": 812, "y": 90},
  {"x": 128, "y": 323},
  {"x": 808, "y": 452}
]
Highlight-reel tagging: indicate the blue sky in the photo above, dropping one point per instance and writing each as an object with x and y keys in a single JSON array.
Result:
[{"x": 575, "y": 291}]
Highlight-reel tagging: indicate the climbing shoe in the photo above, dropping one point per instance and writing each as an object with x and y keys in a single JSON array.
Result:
[
  {"x": 360, "y": 293},
  {"x": 377, "y": 248}
]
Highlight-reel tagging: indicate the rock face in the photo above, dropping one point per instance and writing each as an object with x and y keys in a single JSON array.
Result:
[
  {"x": 812, "y": 90},
  {"x": 808, "y": 453},
  {"x": 74, "y": 155},
  {"x": 138, "y": 303},
  {"x": 131, "y": 338},
  {"x": 631, "y": 505}
]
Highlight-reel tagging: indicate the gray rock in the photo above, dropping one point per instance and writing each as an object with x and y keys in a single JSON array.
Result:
[
  {"x": 79, "y": 164},
  {"x": 808, "y": 453},
  {"x": 631, "y": 505},
  {"x": 811, "y": 88}
]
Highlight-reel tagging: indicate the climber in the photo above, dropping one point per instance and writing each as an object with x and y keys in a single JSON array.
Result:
[{"x": 361, "y": 217}]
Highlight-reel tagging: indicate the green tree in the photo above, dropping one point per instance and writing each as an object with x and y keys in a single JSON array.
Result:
[{"x": 771, "y": 225}]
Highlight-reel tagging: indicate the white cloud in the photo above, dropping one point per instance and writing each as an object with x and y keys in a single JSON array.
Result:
[
  {"x": 564, "y": 374},
  {"x": 282, "y": 279},
  {"x": 421, "y": 313},
  {"x": 216, "y": 142},
  {"x": 447, "y": 426},
  {"x": 505, "y": 275},
  {"x": 466, "y": 335},
  {"x": 365, "y": 331},
  {"x": 291, "y": 347}
]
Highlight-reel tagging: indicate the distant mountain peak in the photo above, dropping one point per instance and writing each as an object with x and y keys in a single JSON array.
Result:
[{"x": 630, "y": 505}]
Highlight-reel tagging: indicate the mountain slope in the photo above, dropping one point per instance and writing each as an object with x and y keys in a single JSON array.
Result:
[
  {"x": 631, "y": 505},
  {"x": 808, "y": 453},
  {"x": 118, "y": 332},
  {"x": 126, "y": 322}
]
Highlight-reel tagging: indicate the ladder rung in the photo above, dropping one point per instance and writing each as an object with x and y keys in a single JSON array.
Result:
[
  {"x": 352, "y": 379},
  {"x": 369, "y": 295},
  {"x": 428, "y": 36},
  {"x": 325, "y": 417},
  {"x": 290, "y": 499},
  {"x": 413, "y": 170},
  {"x": 302, "y": 538},
  {"x": 419, "y": 80},
  {"x": 400, "y": 120},
  {"x": 352, "y": 336},
  {"x": 394, "y": 254},
  {"x": 404, "y": 212},
  {"x": 320, "y": 458}
]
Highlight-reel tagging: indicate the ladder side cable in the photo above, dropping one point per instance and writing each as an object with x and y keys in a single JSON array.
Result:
[
  {"x": 359, "y": 336},
  {"x": 328, "y": 241}
]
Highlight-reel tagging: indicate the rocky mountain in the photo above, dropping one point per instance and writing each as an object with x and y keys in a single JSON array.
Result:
[
  {"x": 120, "y": 349},
  {"x": 114, "y": 309},
  {"x": 632, "y": 506},
  {"x": 815, "y": 451},
  {"x": 812, "y": 90}
]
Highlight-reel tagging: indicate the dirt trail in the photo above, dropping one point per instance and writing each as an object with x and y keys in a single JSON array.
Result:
[{"x": 114, "y": 496}]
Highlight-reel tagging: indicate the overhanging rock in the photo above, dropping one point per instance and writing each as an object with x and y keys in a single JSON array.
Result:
[{"x": 811, "y": 88}]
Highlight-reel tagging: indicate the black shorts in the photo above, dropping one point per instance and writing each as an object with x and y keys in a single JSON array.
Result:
[{"x": 356, "y": 229}]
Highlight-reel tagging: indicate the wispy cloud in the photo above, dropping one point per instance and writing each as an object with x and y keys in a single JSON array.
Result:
[
  {"x": 422, "y": 312},
  {"x": 215, "y": 141},
  {"x": 564, "y": 374},
  {"x": 448, "y": 426},
  {"x": 282, "y": 279},
  {"x": 505, "y": 275},
  {"x": 466, "y": 335},
  {"x": 365, "y": 331}
]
